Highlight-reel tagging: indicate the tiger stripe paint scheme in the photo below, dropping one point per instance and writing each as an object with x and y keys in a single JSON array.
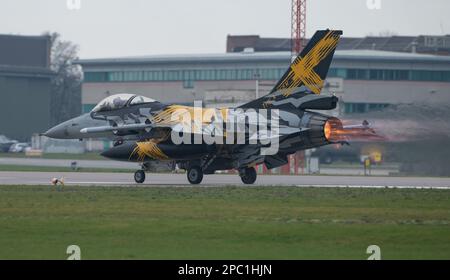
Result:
[{"x": 142, "y": 127}]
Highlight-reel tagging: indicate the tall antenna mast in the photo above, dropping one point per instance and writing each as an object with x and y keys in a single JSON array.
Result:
[{"x": 298, "y": 28}]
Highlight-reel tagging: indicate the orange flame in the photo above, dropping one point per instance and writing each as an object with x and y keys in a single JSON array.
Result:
[
  {"x": 334, "y": 131},
  {"x": 327, "y": 130}
]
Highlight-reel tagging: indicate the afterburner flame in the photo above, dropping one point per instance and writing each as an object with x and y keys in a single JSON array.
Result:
[
  {"x": 336, "y": 130},
  {"x": 332, "y": 129},
  {"x": 327, "y": 130}
]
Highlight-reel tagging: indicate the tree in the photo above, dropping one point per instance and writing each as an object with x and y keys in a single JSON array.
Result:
[{"x": 66, "y": 84}]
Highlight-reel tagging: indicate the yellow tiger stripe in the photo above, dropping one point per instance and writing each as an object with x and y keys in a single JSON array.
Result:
[
  {"x": 150, "y": 149},
  {"x": 302, "y": 69}
]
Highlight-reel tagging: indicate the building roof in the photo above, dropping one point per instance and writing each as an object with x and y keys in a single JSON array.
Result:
[
  {"x": 25, "y": 56},
  {"x": 439, "y": 45},
  {"x": 243, "y": 57},
  {"x": 390, "y": 56},
  {"x": 25, "y": 51}
]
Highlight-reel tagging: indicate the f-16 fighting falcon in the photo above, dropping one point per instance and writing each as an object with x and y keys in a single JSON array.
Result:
[{"x": 204, "y": 140}]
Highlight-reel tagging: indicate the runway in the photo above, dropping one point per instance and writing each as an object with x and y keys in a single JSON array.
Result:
[
  {"x": 169, "y": 179},
  {"x": 82, "y": 163},
  {"x": 132, "y": 166}
]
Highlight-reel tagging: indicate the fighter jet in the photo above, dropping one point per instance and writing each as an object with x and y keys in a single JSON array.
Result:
[{"x": 205, "y": 140}]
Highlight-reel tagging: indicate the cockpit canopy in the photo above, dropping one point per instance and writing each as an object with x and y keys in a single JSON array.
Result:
[{"x": 121, "y": 100}]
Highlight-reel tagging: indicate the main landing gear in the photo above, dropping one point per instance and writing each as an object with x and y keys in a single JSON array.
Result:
[
  {"x": 248, "y": 175},
  {"x": 139, "y": 176},
  {"x": 195, "y": 175}
]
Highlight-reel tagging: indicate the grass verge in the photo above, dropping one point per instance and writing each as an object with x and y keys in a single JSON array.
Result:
[{"x": 39, "y": 222}]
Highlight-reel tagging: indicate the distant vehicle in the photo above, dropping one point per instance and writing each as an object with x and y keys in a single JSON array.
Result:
[
  {"x": 19, "y": 147},
  {"x": 5, "y": 143}
]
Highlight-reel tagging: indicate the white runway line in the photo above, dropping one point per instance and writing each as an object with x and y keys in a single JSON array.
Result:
[
  {"x": 122, "y": 184},
  {"x": 244, "y": 186},
  {"x": 99, "y": 183},
  {"x": 375, "y": 187}
]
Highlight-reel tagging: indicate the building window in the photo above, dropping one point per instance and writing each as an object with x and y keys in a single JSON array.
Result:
[
  {"x": 95, "y": 77},
  {"x": 341, "y": 73},
  {"x": 263, "y": 74},
  {"x": 332, "y": 72},
  {"x": 376, "y": 74},
  {"x": 115, "y": 76},
  {"x": 425, "y": 75},
  {"x": 269, "y": 74},
  {"x": 246, "y": 74},
  {"x": 402, "y": 75},
  {"x": 173, "y": 75},
  {"x": 357, "y": 74},
  {"x": 189, "y": 75},
  {"x": 131, "y": 76},
  {"x": 446, "y": 76}
]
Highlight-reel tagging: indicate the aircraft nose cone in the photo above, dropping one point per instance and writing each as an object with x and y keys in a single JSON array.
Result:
[
  {"x": 58, "y": 132},
  {"x": 121, "y": 152},
  {"x": 108, "y": 154}
]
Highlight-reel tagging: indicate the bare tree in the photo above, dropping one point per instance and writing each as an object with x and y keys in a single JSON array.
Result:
[{"x": 66, "y": 84}]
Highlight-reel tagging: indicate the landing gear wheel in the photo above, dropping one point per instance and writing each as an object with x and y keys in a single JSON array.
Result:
[
  {"x": 195, "y": 175},
  {"x": 139, "y": 176},
  {"x": 248, "y": 177}
]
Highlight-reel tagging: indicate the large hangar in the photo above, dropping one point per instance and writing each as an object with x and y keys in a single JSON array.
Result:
[{"x": 25, "y": 85}]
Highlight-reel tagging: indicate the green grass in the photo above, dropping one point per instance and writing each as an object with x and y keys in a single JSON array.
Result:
[
  {"x": 38, "y": 222},
  {"x": 33, "y": 168}
]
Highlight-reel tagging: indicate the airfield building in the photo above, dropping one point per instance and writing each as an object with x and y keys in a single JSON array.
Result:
[
  {"x": 438, "y": 45},
  {"x": 365, "y": 80},
  {"x": 25, "y": 83}
]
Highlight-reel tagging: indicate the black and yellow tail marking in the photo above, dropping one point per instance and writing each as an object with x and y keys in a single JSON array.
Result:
[{"x": 311, "y": 66}]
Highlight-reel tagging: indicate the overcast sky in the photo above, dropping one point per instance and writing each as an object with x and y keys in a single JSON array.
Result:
[{"x": 108, "y": 28}]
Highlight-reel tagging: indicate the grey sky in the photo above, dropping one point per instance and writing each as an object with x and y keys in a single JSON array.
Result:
[{"x": 105, "y": 28}]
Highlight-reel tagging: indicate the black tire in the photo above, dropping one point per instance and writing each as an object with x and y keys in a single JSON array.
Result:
[
  {"x": 195, "y": 175},
  {"x": 249, "y": 176},
  {"x": 139, "y": 176}
]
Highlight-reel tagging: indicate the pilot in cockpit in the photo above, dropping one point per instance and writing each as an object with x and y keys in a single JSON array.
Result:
[{"x": 119, "y": 102}]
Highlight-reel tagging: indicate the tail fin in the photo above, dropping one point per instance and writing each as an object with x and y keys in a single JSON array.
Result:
[{"x": 309, "y": 69}]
